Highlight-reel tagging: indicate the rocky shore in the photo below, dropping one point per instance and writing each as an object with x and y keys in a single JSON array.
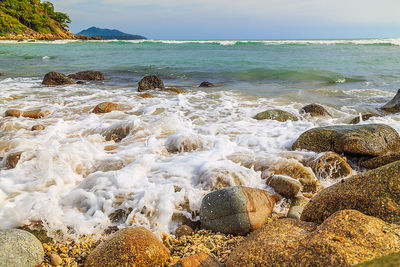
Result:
[{"x": 353, "y": 221}]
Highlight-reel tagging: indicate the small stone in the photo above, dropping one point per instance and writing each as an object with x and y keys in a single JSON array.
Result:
[
  {"x": 284, "y": 185},
  {"x": 106, "y": 107},
  {"x": 12, "y": 160},
  {"x": 150, "y": 82},
  {"x": 55, "y": 259},
  {"x": 38, "y": 127},
  {"x": 13, "y": 113},
  {"x": 145, "y": 95},
  {"x": 206, "y": 84},
  {"x": 183, "y": 230},
  {"x": 276, "y": 114},
  {"x": 315, "y": 110}
]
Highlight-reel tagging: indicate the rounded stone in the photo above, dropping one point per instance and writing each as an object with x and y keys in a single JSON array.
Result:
[
  {"x": 55, "y": 78},
  {"x": 150, "y": 82},
  {"x": 20, "y": 248},
  {"x": 55, "y": 259},
  {"x": 88, "y": 75},
  {"x": 315, "y": 110},
  {"x": 276, "y": 114},
  {"x": 183, "y": 230},
  {"x": 105, "y": 107},
  {"x": 284, "y": 185},
  {"x": 12, "y": 113},
  {"x": 330, "y": 165}
]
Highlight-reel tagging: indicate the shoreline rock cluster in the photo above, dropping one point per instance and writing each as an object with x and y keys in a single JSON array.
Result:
[{"x": 353, "y": 221}]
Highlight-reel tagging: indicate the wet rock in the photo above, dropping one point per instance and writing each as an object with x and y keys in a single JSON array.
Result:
[
  {"x": 117, "y": 133},
  {"x": 377, "y": 162},
  {"x": 315, "y": 110},
  {"x": 175, "y": 90},
  {"x": 330, "y": 165},
  {"x": 20, "y": 248},
  {"x": 198, "y": 260},
  {"x": 276, "y": 114},
  {"x": 145, "y": 95},
  {"x": 183, "y": 230},
  {"x": 55, "y": 259},
  {"x": 12, "y": 113},
  {"x": 297, "y": 206},
  {"x": 366, "y": 140},
  {"x": 35, "y": 114},
  {"x": 374, "y": 193},
  {"x": 150, "y": 83},
  {"x": 393, "y": 106},
  {"x": 38, "y": 127},
  {"x": 347, "y": 237},
  {"x": 284, "y": 185},
  {"x": 88, "y": 75},
  {"x": 236, "y": 210},
  {"x": 55, "y": 78},
  {"x": 391, "y": 260},
  {"x": 134, "y": 246},
  {"x": 364, "y": 117},
  {"x": 12, "y": 160},
  {"x": 293, "y": 169},
  {"x": 179, "y": 142},
  {"x": 206, "y": 84},
  {"x": 106, "y": 107}
]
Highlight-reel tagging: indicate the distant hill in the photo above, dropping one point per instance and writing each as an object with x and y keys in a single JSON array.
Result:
[
  {"x": 109, "y": 34},
  {"x": 34, "y": 19}
]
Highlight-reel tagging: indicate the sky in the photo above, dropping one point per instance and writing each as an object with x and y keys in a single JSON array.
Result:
[{"x": 232, "y": 19}]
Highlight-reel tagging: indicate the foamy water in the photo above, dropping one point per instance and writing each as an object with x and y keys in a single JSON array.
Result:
[{"x": 152, "y": 163}]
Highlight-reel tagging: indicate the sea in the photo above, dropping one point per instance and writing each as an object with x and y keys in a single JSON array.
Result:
[{"x": 74, "y": 180}]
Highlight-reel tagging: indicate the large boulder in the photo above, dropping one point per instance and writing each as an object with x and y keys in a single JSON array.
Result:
[
  {"x": 347, "y": 237},
  {"x": 20, "y": 248},
  {"x": 375, "y": 193},
  {"x": 134, "y": 246},
  {"x": 315, "y": 110},
  {"x": 276, "y": 114},
  {"x": 88, "y": 75},
  {"x": 150, "y": 82},
  {"x": 377, "y": 162},
  {"x": 236, "y": 210},
  {"x": 330, "y": 165},
  {"x": 393, "y": 106},
  {"x": 366, "y": 140},
  {"x": 55, "y": 78}
]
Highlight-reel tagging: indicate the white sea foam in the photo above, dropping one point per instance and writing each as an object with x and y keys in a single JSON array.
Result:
[{"x": 74, "y": 180}]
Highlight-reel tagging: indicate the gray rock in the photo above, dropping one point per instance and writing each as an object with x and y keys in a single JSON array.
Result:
[
  {"x": 19, "y": 248},
  {"x": 366, "y": 140},
  {"x": 393, "y": 106},
  {"x": 276, "y": 114},
  {"x": 236, "y": 210}
]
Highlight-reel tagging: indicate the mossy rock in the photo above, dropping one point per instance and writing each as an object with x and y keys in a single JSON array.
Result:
[{"x": 277, "y": 115}]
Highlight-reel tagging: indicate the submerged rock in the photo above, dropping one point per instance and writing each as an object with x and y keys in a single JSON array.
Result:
[
  {"x": 55, "y": 78},
  {"x": 276, "y": 114},
  {"x": 374, "y": 193},
  {"x": 315, "y": 110},
  {"x": 364, "y": 117},
  {"x": 175, "y": 90},
  {"x": 20, "y": 248},
  {"x": 134, "y": 246},
  {"x": 35, "y": 114},
  {"x": 236, "y": 210},
  {"x": 347, "y": 237},
  {"x": 88, "y": 75},
  {"x": 12, "y": 113},
  {"x": 206, "y": 84},
  {"x": 367, "y": 140},
  {"x": 380, "y": 161},
  {"x": 145, "y": 95},
  {"x": 150, "y": 82},
  {"x": 38, "y": 127},
  {"x": 183, "y": 143},
  {"x": 393, "y": 106},
  {"x": 106, "y": 107},
  {"x": 330, "y": 165},
  {"x": 183, "y": 230}
]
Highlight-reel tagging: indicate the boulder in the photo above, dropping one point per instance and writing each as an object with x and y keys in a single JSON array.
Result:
[
  {"x": 375, "y": 193},
  {"x": 55, "y": 78},
  {"x": 175, "y": 90},
  {"x": 315, "y": 110},
  {"x": 106, "y": 107},
  {"x": 206, "y": 84},
  {"x": 364, "y": 117},
  {"x": 391, "y": 260},
  {"x": 198, "y": 260},
  {"x": 12, "y": 160},
  {"x": 276, "y": 114},
  {"x": 150, "y": 83},
  {"x": 347, "y": 237},
  {"x": 236, "y": 210},
  {"x": 284, "y": 185},
  {"x": 393, "y": 106},
  {"x": 377, "y": 162},
  {"x": 20, "y": 248},
  {"x": 134, "y": 246},
  {"x": 12, "y": 113},
  {"x": 88, "y": 75},
  {"x": 330, "y": 165},
  {"x": 364, "y": 140}
]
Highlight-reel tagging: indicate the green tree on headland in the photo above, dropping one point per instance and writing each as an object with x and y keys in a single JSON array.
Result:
[{"x": 38, "y": 16}]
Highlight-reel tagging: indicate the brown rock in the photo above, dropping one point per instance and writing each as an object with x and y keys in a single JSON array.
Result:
[
  {"x": 284, "y": 185},
  {"x": 315, "y": 110},
  {"x": 377, "y": 162},
  {"x": 364, "y": 117},
  {"x": 366, "y": 140},
  {"x": 135, "y": 246},
  {"x": 12, "y": 160},
  {"x": 35, "y": 114},
  {"x": 145, "y": 95},
  {"x": 55, "y": 78},
  {"x": 375, "y": 193},
  {"x": 345, "y": 238},
  {"x": 150, "y": 83},
  {"x": 297, "y": 206},
  {"x": 175, "y": 90},
  {"x": 106, "y": 107},
  {"x": 198, "y": 260},
  {"x": 38, "y": 127},
  {"x": 330, "y": 165},
  {"x": 206, "y": 84},
  {"x": 55, "y": 259},
  {"x": 12, "y": 113},
  {"x": 276, "y": 114},
  {"x": 183, "y": 230},
  {"x": 88, "y": 75}
]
